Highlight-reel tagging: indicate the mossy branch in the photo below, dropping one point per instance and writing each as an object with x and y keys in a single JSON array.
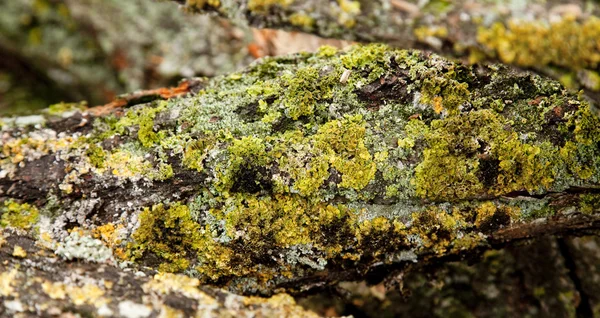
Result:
[
  {"x": 304, "y": 170},
  {"x": 557, "y": 38}
]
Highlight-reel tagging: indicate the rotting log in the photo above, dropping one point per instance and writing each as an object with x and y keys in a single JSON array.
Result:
[
  {"x": 301, "y": 171},
  {"x": 559, "y": 38}
]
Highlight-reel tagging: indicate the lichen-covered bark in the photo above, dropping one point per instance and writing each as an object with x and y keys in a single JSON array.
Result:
[
  {"x": 558, "y": 37},
  {"x": 304, "y": 170},
  {"x": 52, "y": 51},
  {"x": 36, "y": 283}
]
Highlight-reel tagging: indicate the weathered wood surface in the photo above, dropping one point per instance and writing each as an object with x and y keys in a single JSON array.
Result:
[{"x": 299, "y": 172}]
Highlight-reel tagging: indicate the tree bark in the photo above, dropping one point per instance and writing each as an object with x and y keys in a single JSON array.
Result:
[
  {"x": 558, "y": 38},
  {"x": 302, "y": 171}
]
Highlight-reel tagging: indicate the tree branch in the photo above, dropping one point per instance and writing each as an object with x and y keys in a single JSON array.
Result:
[
  {"x": 557, "y": 38},
  {"x": 305, "y": 170}
]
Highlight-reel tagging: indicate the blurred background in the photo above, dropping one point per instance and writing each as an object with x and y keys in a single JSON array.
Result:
[{"x": 94, "y": 50}]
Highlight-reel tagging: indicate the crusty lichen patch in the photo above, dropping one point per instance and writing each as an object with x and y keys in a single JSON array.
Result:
[
  {"x": 21, "y": 216},
  {"x": 314, "y": 162}
]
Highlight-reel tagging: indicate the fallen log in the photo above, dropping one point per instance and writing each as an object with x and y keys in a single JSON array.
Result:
[{"x": 302, "y": 171}]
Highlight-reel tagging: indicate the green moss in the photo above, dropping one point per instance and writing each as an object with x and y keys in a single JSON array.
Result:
[{"x": 18, "y": 215}]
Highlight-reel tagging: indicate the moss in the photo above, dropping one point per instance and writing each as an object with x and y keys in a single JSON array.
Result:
[
  {"x": 568, "y": 42},
  {"x": 18, "y": 215}
]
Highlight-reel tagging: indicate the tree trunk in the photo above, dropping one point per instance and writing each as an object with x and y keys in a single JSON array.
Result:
[{"x": 299, "y": 172}]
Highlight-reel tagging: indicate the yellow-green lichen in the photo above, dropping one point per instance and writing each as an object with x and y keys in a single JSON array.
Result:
[
  {"x": 569, "y": 42},
  {"x": 60, "y": 108},
  {"x": 245, "y": 153},
  {"x": 196, "y": 151},
  {"x": 144, "y": 118},
  {"x": 371, "y": 58},
  {"x": 349, "y": 11},
  {"x": 304, "y": 89},
  {"x": 589, "y": 203},
  {"x": 444, "y": 92},
  {"x": 169, "y": 233},
  {"x": 201, "y": 4},
  {"x": 18, "y": 215},
  {"x": 343, "y": 143},
  {"x": 302, "y": 20},
  {"x": 457, "y": 147},
  {"x": 97, "y": 156},
  {"x": 265, "y": 5}
]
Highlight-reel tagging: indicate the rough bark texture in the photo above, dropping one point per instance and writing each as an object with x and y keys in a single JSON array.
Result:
[
  {"x": 557, "y": 38},
  {"x": 299, "y": 172}
]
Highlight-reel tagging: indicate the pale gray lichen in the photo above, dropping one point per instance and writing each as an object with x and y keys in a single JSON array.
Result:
[{"x": 76, "y": 246}]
